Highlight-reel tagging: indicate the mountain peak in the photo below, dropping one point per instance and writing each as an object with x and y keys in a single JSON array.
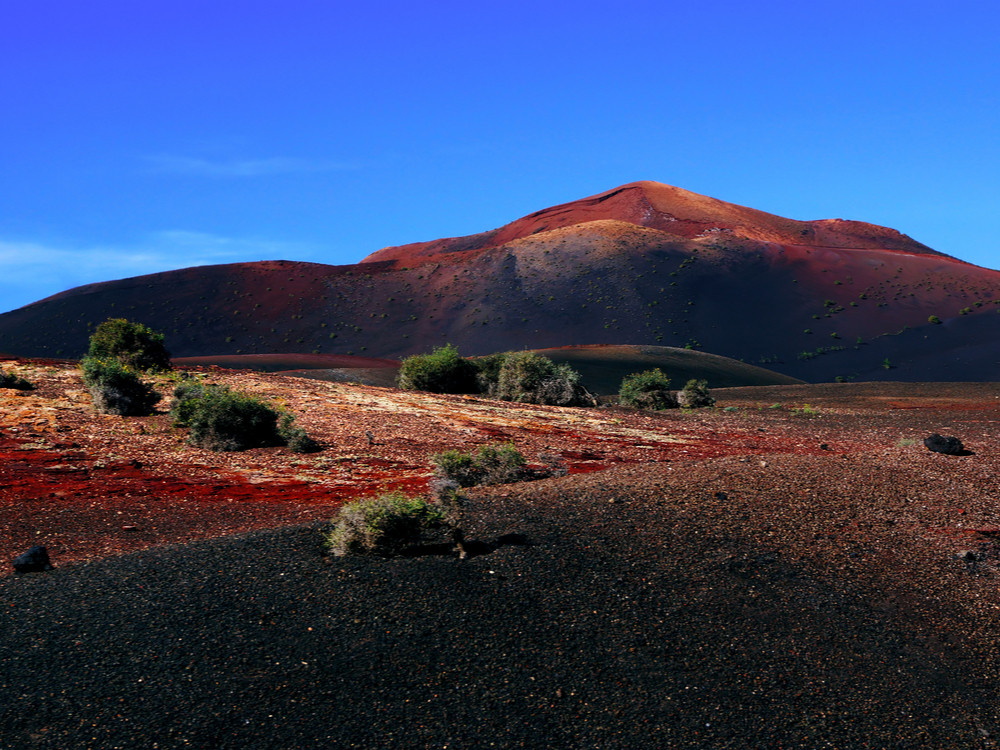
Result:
[{"x": 669, "y": 209}]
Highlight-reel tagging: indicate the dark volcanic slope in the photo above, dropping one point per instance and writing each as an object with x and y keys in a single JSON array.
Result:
[
  {"x": 643, "y": 264},
  {"x": 767, "y": 593},
  {"x": 709, "y": 608},
  {"x": 603, "y": 367}
]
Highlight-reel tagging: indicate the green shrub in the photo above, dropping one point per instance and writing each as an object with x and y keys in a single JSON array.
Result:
[
  {"x": 457, "y": 466},
  {"x": 488, "y": 370},
  {"x": 132, "y": 344},
  {"x": 185, "y": 401},
  {"x": 116, "y": 389},
  {"x": 222, "y": 420},
  {"x": 385, "y": 525},
  {"x": 934, "y": 319},
  {"x": 695, "y": 395},
  {"x": 10, "y": 380},
  {"x": 490, "y": 465},
  {"x": 649, "y": 389},
  {"x": 530, "y": 378},
  {"x": 441, "y": 371},
  {"x": 294, "y": 436}
]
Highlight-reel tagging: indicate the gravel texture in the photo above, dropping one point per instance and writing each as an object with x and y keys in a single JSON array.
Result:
[{"x": 841, "y": 597}]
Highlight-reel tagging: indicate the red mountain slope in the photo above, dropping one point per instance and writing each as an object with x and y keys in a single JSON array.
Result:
[
  {"x": 644, "y": 264},
  {"x": 672, "y": 210}
]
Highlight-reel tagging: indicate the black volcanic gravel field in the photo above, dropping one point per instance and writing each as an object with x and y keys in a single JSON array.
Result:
[{"x": 786, "y": 602}]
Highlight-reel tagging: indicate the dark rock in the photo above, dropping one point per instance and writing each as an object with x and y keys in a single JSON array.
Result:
[
  {"x": 34, "y": 560},
  {"x": 950, "y": 445}
]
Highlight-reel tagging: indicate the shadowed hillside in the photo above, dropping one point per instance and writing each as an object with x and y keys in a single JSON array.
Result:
[
  {"x": 645, "y": 264},
  {"x": 602, "y": 367}
]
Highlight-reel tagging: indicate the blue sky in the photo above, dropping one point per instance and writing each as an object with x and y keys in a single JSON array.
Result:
[{"x": 142, "y": 136}]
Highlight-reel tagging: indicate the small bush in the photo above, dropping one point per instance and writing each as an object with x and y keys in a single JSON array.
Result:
[
  {"x": 116, "y": 389},
  {"x": 133, "y": 344},
  {"x": 458, "y": 467},
  {"x": 10, "y": 380},
  {"x": 490, "y": 465},
  {"x": 185, "y": 401},
  {"x": 294, "y": 436},
  {"x": 530, "y": 378},
  {"x": 695, "y": 395},
  {"x": 649, "y": 389},
  {"x": 441, "y": 371},
  {"x": 385, "y": 525},
  {"x": 488, "y": 370},
  {"x": 222, "y": 420}
]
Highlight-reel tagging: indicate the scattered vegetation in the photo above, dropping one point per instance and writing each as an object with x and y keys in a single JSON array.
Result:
[
  {"x": 441, "y": 371},
  {"x": 529, "y": 378},
  {"x": 695, "y": 395},
  {"x": 132, "y": 344},
  {"x": 295, "y": 437},
  {"x": 806, "y": 411},
  {"x": 117, "y": 389},
  {"x": 185, "y": 401},
  {"x": 488, "y": 370},
  {"x": 490, "y": 465},
  {"x": 224, "y": 420},
  {"x": 384, "y": 525},
  {"x": 934, "y": 319},
  {"x": 10, "y": 380},
  {"x": 649, "y": 389}
]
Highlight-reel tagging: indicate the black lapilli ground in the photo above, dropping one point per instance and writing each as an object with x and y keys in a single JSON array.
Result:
[{"x": 644, "y": 610}]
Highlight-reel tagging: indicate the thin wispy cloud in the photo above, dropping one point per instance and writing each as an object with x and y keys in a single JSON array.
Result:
[
  {"x": 30, "y": 271},
  {"x": 188, "y": 165}
]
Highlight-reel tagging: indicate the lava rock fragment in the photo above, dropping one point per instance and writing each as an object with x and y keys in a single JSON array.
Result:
[
  {"x": 949, "y": 444},
  {"x": 36, "y": 559}
]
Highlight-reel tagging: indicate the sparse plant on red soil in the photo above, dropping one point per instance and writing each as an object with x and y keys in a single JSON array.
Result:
[
  {"x": 530, "y": 378},
  {"x": 222, "y": 420},
  {"x": 441, "y": 371},
  {"x": 116, "y": 389},
  {"x": 695, "y": 395},
  {"x": 132, "y": 344},
  {"x": 10, "y": 380},
  {"x": 489, "y": 465},
  {"x": 649, "y": 389}
]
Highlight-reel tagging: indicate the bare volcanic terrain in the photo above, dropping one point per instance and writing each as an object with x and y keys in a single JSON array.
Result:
[
  {"x": 644, "y": 264},
  {"x": 789, "y": 569}
]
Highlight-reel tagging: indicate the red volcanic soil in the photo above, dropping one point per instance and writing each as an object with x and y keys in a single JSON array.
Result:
[
  {"x": 790, "y": 569},
  {"x": 87, "y": 485}
]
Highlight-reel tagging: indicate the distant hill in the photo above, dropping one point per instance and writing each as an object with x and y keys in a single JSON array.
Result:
[
  {"x": 602, "y": 367},
  {"x": 644, "y": 264}
]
